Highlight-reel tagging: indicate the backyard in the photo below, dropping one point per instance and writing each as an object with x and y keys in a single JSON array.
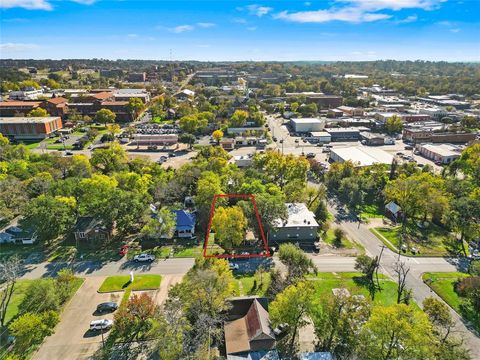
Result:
[{"x": 252, "y": 284}]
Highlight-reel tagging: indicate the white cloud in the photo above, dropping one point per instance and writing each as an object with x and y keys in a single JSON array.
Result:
[
  {"x": 205, "y": 25},
  {"x": 456, "y": 30},
  {"x": 85, "y": 2},
  {"x": 26, "y": 4},
  {"x": 132, "y": 36},
  {"x": 181, "y": 29},
  {"x": 251, "y": 28},
  {"x": 239, "y": 21},
  {"x": 408, "y": 19},
  {"x": 352, "y": 15},
  {"x": 259, "y": 10},
  {"x": 374, "y": 5},
  {"x": 17, "y": 47}
]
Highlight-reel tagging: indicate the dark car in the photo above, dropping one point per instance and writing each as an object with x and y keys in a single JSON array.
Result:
[
  {"x": 171, "y": 154},
  {"x": 107, "y": 307},
  {"x": 310, "y": 155}
]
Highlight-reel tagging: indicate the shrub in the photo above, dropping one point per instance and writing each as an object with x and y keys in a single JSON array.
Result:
[
  {"x": 465, "y": 286},
  {"x": 474, "y": 268},
  {"x": 339, "y": 236},
  {"x": 40, "y": 296}
]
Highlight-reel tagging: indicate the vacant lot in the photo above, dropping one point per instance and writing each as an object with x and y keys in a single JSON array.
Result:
[{"x": 122, "y": 282}]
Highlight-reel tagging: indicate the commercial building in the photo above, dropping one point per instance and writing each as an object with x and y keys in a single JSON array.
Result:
[
  {"x": 299, "y": 226},
  {"x": 155, "y": 140},
  {"x": 137, "y": 77},
  {"x": 306, "y": 125},
  {"x": 29, "y": 128},
  {"x": 344, "y": 134},
  {"x": 56, "y": 106},
  {"x": 32, "y": 94},
  {"x": 444, "y": 153},
  {"x": 371, "y": 139},
  {"x": 351, "y": 111},
  {"x": 422, "y": 135},
  {"x": 361, "y": 156},
  {"x": 320, "y": 137},
  {"x": 127, "y": 94},
  {"x": 15, "y": 108}
]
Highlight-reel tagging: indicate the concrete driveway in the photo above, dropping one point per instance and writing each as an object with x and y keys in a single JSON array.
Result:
[{"x": 71, "y": 339}]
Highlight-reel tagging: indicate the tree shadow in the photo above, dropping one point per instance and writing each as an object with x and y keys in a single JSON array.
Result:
[{"x": 365, "y": 282}]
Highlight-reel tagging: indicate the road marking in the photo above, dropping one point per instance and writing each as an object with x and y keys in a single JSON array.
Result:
[{"x": 415, "y": 260}]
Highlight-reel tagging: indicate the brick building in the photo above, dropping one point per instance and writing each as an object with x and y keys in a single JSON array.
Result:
[
  {"x": 29, "y": 128},
  {"x": 16, "y": 108}
]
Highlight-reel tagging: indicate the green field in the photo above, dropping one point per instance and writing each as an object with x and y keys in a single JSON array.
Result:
[
  {"x": 122, "y": 282},
  {"x": 430, "y": 242},
  {"x": 329, "y": 238},
  {"x": 444, "y": 285},
  {"x": 372, "y": 211},
  {"x": 325, "y": 282},
  {"x": 250, "y": 285}
]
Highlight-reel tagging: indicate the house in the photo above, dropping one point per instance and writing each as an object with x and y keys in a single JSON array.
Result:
[
  {"x": 18, "y": 235},
  {"x": 227, "y": 143},
  {"x": 248, "y": 329},
  {"x": 185, "y": 224},
  {"x": 300, "y": 225},
  {"x": 393, "y": 211},
  {"x": 185, "y": 95},
  {"x": 87, "y": 228}
]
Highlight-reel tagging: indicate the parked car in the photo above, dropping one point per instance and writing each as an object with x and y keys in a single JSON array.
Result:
[
  {"x": 408, "y": 147},
  {"x": 102, "y": 324},
  {"x": 310, "y": 155},
  {"x": 297, "y": 141},
  {"x": 281, "y": 141},
  {"x": 68, "y": 153},
  {"x": 144, "y": 258},
  {"x": 274, "y": 139},
  {"x": 438, "y": 162},
  {"x": 280, "y": 329},
  {"x": 172, "y": 154},
  {"x": 233, "y": 266},
  {"x": 123, "y": 250},
  {"x": 107, "y": 307},
  {"x": 414, "y": 250}
]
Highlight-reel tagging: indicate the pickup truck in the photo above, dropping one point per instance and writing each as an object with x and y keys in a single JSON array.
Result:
[{"x": 144, "y": 258}]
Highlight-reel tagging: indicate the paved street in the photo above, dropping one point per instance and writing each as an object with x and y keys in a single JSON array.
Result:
[{"x": 418, "y": 265}]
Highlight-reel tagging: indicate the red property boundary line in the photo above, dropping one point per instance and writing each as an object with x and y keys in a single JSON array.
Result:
[{"x": 257, "y": 215}]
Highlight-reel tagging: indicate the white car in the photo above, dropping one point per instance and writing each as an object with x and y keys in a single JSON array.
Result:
[
  {"x": 233, "y": 266},
  {"x": 144, "y": 258},
  {"x": 101, "y": 324}
]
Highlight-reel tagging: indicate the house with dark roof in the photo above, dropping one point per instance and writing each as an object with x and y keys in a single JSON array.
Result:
[
  {"x": 87, "y": 228},
  {"x": 248, "y": 329},
  {"x": 185, "y": 223}
]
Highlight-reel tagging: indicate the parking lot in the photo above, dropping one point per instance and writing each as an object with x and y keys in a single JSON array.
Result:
[
  {"x": 72, "y": 338},
  {"x": 157, "y": 129}
]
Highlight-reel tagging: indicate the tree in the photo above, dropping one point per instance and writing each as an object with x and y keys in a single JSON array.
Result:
[
  {"x": 31, "y": 328},
  {"x": 110, "y": 159},
  {"x": 396, "y": 332},
  {"x": 291, "y": 306},
  {"x": 208, "y": 185},
  {"x": 339, "y": 236},
  {"x": 368, "y": 266},
  {"x": 163, "y": 226},
  {"x": 401, "y": 270},
  {"x": 134, "y": 320},
  {"x": 105, "y": 116},
  {"x": 135, "y": 105},
  {"x": 239, "y": 118},
  {"x": 187, "y": 138},
  {"x": 10, "y": 271},
  {"x": 393, "y": 124},
  {"x": 40, "y": 295},
  {"x": 469, "y": 162},
  {"x": 192, "y": 123},
  {"x": 297, "y": 263},
  {"x": 337, "y": 321},
  {"x": 38, "y": 112},
  {"x": 440, "y": 316},
  {"x": 229, "y": 225},
  {"x": 113, "y": 129},
  {"x": 51, "y": 216},
  {"x": 464, "y": 218},
  {"x": 217, "y": 136}
]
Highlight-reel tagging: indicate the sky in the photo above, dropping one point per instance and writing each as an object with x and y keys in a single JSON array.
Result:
[{"x": 229, "y": 30}]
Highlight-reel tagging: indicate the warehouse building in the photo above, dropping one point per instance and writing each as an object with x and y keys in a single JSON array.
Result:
[
  {"x": 361, "y": 156},
  {"x": 29, "y": 128},
  {"x": 306, "y": 125},
  {"x": 319, "y": 137},
  {"x": 344, "y": 134},
  {"x": 444, "y": 153}
]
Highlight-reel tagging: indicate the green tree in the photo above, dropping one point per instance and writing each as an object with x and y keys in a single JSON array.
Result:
[
  {"x": 187, "y": 138},
  {"x": 229, "y": 225},
  {"x": 239, "y": 118},
  {"x": 396, "y": 332},
  {"x": 135, "y": 105},
  {"x": 217, "y": 136},
  {"x": 113, "y": 129},
  {"x": 367, "y": 265},
  {"x": 192, "y": 123},
  {"x": 51, "y": 216},
  {"x": 105, "y": 116},
  {"x": 297, "y": 262},
  {"x": 291, "y": 306},
  {"x": 208, "y": 185},
  {"x": 25, "y": 84},
  {"x": 38, "y": 112},
  {"x": 40, "y": 295},
  {"x": 393, "y": 124},
  {"x": 163, "y": 226},
  {"x": 30, "y": 329},
  {"x": 113, "y": 158}
]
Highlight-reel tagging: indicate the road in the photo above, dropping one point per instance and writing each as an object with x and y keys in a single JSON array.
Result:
[{"x": 418, "y": 265}]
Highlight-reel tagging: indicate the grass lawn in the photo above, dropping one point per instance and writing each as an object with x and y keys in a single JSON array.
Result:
[
  {"x": 187, "y": 251},
  {"x": 432, "y": 241},
  {"x": 444, "y": 285},
  {"x": 372, "y": 211},
  {"x": 250, "y": 285},
  {"x": 325, "y": 282},
  {"x": 32, "y": 145},
  {"x": 329, "y": 239},
  {"x": 122, "y": 282},
  {"x": 19, "y": 293}
]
